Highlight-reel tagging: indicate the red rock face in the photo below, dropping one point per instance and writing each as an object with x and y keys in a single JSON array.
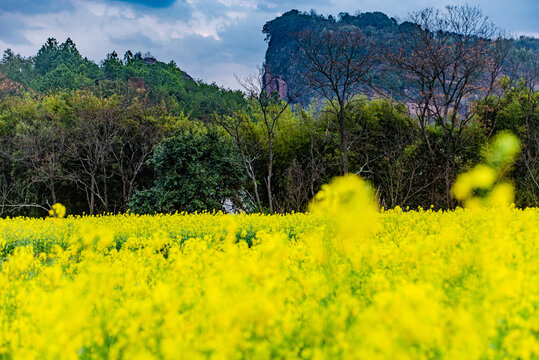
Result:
[{"x": 275, "y": 83}]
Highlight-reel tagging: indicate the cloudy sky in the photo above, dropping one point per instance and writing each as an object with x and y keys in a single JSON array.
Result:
[{"x": 210, "y": 39}]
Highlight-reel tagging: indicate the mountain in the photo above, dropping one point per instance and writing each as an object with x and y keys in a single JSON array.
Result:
[
  {"x": 61, "y": 67},
  {"x": 281, "y": 60}
]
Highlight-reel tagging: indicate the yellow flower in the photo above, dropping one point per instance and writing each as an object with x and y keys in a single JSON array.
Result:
[
  {"x": 502, "y": 195},
  {"x": 342, "y": 280},
  {"x": 349, "y": 202},
  {"x": 503, "y": 149},
  {"x": 501, "y": 152},
  {"x": 57, "y": 210}
]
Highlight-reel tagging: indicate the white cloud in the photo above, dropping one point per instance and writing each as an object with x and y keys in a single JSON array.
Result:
[
  {"x": 210, "y": 39},
  {"x": 222, "y": 73},
  {"x": 249, "y": 4},
  {"x": 235, "y": 15},
  {"x": 92, "y": 24}
]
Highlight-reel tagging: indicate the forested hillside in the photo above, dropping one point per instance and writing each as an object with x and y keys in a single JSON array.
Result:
[
  {"x": 383, "y": 33},
  {"x": 60, "y": 67},
  {"x": 135, "y": 134},
  {"x": 81, "y": 133}
]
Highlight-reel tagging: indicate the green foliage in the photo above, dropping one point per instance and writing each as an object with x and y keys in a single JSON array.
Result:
[
  {"x": 165, "y": 83},
  {"x": 136, "y": 132},
  {"x": 16, "y": 67},
  {"x": 58, "y": 67},
  {"x": 89, "y": 148},
  {"x": 517, "y": 111},
  {"x": 61, "y": 66},
  {"x": 75, "y": 146},
  {"x": 195, "y": 170}
]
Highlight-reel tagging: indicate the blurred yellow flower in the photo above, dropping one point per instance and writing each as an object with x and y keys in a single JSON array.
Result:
[
  {"x": 343, "y": 280},
  {"x": 57, "y": 210},
  {"x": 481, "y": 185}
]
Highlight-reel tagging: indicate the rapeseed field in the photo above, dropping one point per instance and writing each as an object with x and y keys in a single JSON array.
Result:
[{"x": 346, "y": 280}]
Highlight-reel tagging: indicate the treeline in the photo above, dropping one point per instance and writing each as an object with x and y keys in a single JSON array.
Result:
[
  {"x": 61, "y": 67},
  {"x": 109, "y": 154},
  {"x": 136, "y": 134}
]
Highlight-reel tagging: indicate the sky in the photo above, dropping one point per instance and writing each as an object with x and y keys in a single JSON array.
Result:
[{"x": 212, "y": 40}]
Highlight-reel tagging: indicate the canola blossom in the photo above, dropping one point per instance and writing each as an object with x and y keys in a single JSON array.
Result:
[
  {"x": 343, "y": 281},
  {"x": 484, "y": 185}
]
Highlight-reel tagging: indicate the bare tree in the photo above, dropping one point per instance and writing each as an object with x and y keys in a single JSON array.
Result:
[
  {"x": 240, "y": 129},
  {"x": 17, "y": 193},
  {"x": 450, "y": 55},
  {"x": 272, "y": 107},
  {"x": 337, "y": 66},
  {"x": 94, "y": 139},
  {"x": 137, "y": 135},
  {"x": 41, "y": 143}
]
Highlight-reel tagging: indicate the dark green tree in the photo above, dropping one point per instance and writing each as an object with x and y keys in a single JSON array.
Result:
[
  {"x": 195, "y": 170},
  {"x": 16, "y": 67}
]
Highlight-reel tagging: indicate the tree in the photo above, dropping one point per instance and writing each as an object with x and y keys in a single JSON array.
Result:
[
  {"x": 312, "y": 122},
  {"x": 526, "y": 68},
  {"x": 241, "y": 129},
  {"x": 9, "y": 87},
  {"x": 448, "y": 55},
  {"x": 302, "y": 164},
  {"x": 337, "y": 66},
  {"x": 139, "y": 131},
  {"x": 30, "y": 157},
  {"x": 93, "y": 137},
  {"x": 41, "y": 144},
  {"x": 16, "y": 67},
  {"x": 517, "y": 110},
  {"x": 195, "y": 170},
  {"x": 271, "y": 107},
  {"x": 44, "y": 60},
  {"x": 112, "y": 65}
]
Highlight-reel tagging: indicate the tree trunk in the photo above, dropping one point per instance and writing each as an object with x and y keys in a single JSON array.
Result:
[
  {"x": 449, "y": 171},
  {"x": 105, "y": 191},
  {"x": 257, "y": 196},
  {"x": 311, "y": 152},
  {"x": 92, "y": 196},
  {"x": 270, "y": 174},
  {"x": 344, "y": 143},
  {"x": 53, "y": 191},
  {"x": 250, "y": 172}
]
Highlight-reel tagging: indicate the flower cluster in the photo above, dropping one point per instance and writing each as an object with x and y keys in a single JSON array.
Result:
[
  {"x": 345, "y": 281},
  {"x": 57, "y": 211},
  {"x": 484, "y": 185}
]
